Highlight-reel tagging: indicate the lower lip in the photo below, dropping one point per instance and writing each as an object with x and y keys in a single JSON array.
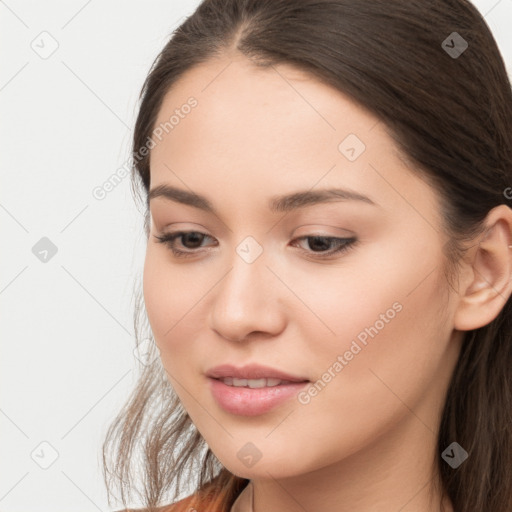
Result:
[{"x": 252, "y": 401}]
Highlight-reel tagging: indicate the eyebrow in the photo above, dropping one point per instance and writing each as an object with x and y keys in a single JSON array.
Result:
[{"x": 276, "y": 204}]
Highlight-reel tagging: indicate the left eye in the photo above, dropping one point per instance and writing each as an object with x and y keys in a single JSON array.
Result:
[
  {"x": 193, "y": 239},
  {"x": 321, "y": 242}
]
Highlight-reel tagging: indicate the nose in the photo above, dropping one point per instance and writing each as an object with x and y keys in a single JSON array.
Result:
[{"x": 248, "y": 301}]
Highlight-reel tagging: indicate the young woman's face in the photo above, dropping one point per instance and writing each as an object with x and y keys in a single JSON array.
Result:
[{"x": 369, "y": 327}]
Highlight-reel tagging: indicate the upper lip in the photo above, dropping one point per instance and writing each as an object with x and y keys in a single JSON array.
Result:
[{"x": 251, "y": 371}]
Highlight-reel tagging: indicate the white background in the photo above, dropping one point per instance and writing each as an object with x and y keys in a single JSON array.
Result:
[{"x": 67, "y": 361}]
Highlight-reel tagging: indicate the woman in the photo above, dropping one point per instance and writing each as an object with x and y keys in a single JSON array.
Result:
[{"x": 328, "y": 269}]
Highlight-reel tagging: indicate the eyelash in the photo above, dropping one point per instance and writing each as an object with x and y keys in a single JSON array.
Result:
[{"x": 344, "y": 244}]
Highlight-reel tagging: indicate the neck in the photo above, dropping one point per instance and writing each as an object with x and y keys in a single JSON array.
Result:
[{"x": 383, "y": 477}]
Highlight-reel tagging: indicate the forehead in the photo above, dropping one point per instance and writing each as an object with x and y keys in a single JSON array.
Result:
[
  {"x": 238, "y": 99},
  {"x": 273, "y": 130}
]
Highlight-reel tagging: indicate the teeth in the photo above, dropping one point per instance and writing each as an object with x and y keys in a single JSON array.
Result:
[
  {"x": 275, "y": 382},
  {"x": 252, "y": 383}
]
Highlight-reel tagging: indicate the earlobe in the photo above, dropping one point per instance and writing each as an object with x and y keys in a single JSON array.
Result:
[{"x": 484, "y": 295}]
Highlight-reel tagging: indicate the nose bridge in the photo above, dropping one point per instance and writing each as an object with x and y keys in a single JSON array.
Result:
[
  {"x": 247, "y": 297},
  {"x": 244, "y": 284}
]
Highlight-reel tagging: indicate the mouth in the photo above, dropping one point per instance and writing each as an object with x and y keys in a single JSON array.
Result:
[
  {"x": 252, "y": 389},
  {"x": 252, "y": 375},
  {"x": 269, "y": 382},
  {"x": 253, "y": 396}
]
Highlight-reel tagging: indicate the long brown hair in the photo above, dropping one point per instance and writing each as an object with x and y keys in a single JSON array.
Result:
[{"x": 446, "y": 100}]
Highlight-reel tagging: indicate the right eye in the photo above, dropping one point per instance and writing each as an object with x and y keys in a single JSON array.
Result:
[{"x": 194, "y": 238}]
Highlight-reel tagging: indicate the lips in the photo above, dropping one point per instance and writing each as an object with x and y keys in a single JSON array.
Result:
[
  {"x": 252, "y": 372},
  {"x": 247, "y": 401}
]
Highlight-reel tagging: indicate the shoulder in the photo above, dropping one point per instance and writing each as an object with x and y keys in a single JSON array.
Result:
[
  {"x": 197, "y": 502},
  {"x": 184, "y": 505},
  {"x": 215, "y": 496},
  {"x": 188, "y": 504}
]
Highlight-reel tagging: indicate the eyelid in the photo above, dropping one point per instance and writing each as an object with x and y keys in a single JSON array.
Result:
[
  {"x": 346, "y": 233},
  {"x": 341, "y": 232}
]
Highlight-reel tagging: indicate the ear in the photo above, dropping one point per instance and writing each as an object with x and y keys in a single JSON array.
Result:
[{"x": 487, "y": 282}]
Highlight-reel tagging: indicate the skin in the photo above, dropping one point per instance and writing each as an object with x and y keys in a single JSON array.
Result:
[{"x": 367, "y": 441}]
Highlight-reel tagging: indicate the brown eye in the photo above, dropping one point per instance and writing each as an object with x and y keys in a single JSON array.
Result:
[
  {"x": 319, "y": 245},
  {"x": 190, "y": 240}
]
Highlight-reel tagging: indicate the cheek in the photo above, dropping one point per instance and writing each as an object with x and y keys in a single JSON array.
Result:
[
  {"x": 156, "y": 295},
  {"x": 393, "y": 374},
  {"x": 386, "y": 301},
  {"x": 334, "y": 306},
  {"x": 169, "y": 299},
  {"x": 390, "y": 347},
  {"x": 382, "y": 331}
]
